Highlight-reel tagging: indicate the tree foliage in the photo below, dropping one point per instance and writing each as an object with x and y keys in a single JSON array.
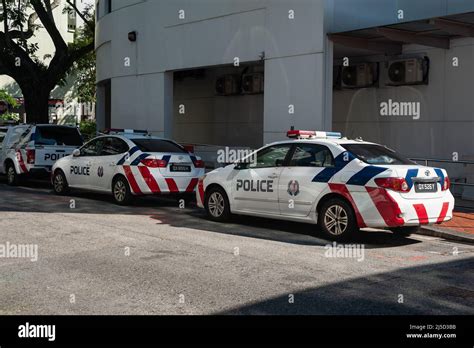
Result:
[{"x": 19, "y": 21}]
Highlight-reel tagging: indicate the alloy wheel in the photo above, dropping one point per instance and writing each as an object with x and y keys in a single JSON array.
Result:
[
  {"x": 336, "y": 220},
  {"x": 216, "y": 204},
  {"x": 120, "y": 191}
]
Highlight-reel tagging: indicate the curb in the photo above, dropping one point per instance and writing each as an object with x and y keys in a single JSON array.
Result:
[{"x": 440, "y": 232}]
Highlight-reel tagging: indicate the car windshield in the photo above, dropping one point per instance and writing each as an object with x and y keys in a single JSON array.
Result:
[
  {"x": 62, "y": 136},
  {"x": 376, "y": 154},
  {"x": 158, "y": 145}
]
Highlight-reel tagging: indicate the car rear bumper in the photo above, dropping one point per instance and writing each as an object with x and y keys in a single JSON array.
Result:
[{"x": 381, "y": 208}]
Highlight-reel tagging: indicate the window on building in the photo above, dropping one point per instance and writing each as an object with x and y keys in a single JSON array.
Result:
[
  {"x": 108, "y": 6},
  {"x": 103, "y": 7},
  {"x": 71, "y": 19}
]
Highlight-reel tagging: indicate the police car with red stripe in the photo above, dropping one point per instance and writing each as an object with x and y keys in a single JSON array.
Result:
[
  {"x": 129, "y": 163},
  {"x": 340, "y": 184},
  {"x": 31, "y": 150}
]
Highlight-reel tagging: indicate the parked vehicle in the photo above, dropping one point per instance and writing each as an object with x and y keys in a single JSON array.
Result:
[
  {"x": 127, "y": 164},
  {"x": 31, "y": 150},
  {"x": 341, "y": 184}
]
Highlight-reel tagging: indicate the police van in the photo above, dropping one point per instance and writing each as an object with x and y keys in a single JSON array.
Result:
[
  {"x": 31, "y": 150},
  {"x": 129, "y": 163},
  {"x": 340, "y": 184}
]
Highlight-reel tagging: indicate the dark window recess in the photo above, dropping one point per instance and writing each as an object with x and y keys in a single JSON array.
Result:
[
  {"x": 108, "y": 6},
  {"x": 56, "y": 135},
  {"x": 158, "y": 145},
  {"x": 376, "y": 154}
]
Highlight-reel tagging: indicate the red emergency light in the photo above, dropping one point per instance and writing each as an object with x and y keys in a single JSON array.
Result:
[{"x": 305, "y": 134}]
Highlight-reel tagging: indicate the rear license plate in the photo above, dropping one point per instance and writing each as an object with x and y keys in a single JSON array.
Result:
[
  {"x": 179, "y": 168},
  {"x": 426, "y": 187}
]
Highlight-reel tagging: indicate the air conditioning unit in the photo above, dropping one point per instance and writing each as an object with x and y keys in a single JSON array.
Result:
[
  {"x": 359, "y": 75},
  {"x": 228, "y": 85},
  {"x": 409, "y": 71},
  {"x": 252, "y": 83}
]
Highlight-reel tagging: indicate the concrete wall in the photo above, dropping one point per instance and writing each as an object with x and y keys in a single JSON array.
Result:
[
  {"x": 217, "y": 120},
  {"x": 446, "y": 123},
  {"x": 212, "y": 33}
]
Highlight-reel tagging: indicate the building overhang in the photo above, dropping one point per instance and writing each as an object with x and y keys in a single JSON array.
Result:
[{"x": 433, "y": 32}]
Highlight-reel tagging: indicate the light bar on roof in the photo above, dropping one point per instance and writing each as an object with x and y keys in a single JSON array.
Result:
[
  {"x": 305, "y": 134},
  {"x": 124, "y": 131}
]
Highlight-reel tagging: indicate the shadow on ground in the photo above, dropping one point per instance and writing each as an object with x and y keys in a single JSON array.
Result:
[
  {"x": 436, "y": 289},
  {"x": 38, "y": 197}
]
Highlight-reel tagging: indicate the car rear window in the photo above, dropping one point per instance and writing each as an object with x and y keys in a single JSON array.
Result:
[
  {"x": 376, "y": 154},
  {"x": 158, "y": 145},
  {"x": 62, "y": 136}
]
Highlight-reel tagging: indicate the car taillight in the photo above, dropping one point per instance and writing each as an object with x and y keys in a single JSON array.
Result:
[
  {"x": 30, "y": 156},
  {"x": 446, "y": 184},
  {"x": 154, "y": 163},
  {"x": 395, "y": 184},
  {"x": 199, "y": 163}
]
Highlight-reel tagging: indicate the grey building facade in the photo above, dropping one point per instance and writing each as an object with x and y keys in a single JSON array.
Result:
[{"x": 165, "y": 81}]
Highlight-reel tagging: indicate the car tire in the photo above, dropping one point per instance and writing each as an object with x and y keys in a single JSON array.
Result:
[
  {"x": 13, "y": 178},
  {"x": 121, "y": 191},
  {"x": 337, "y": 220},
  {"x": 405, "y": 231},
  {"x": 217, "y": 205},
  {"x": 60, "y": 184}
]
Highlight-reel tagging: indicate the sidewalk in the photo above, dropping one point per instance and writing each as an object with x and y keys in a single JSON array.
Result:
[{"x": 460, "y": 228}]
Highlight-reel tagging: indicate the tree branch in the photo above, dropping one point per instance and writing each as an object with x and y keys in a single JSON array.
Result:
[
  {"x": 5, "y": 17},
  {"x": 49, "y": 25}
]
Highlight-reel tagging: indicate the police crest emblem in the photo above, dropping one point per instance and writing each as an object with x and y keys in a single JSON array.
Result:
[{"x": 293, "y": 188}]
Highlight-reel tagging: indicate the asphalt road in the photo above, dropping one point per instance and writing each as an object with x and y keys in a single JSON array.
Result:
[{"x": 156, "y": 258}]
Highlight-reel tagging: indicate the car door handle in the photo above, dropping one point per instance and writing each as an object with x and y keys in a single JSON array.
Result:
[
  {"x": 273, "y": 176},
  {"x": 111, "y": 164}
]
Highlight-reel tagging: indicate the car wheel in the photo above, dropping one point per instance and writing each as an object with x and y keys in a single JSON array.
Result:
[
  {"x": 337, "y": 220},
  {"x": 405, "y": 231},
  {"x": 121, "y": 191},
  {"x": 60, "y": 185},
  {"x": 12, "y": 176},
  {"x": 217, "y": 205}
]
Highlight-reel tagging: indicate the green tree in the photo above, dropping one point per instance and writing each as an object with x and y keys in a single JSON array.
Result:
[
  {"x": 12, "y": 103},
  {"x": 83, "y": 69},
  {"x": 18, "y": 59}
]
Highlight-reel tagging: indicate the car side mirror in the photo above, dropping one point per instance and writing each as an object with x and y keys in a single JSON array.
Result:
[
  {"x": 240, "y": 166},
  {"x": 76, "y": 153}
]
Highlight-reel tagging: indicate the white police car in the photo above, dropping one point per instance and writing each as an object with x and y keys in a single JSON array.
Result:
[
  {"x": 340, "y": 184},
  {"x": 129, "y": 163},
  {"x": 31, "y": 150}
]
